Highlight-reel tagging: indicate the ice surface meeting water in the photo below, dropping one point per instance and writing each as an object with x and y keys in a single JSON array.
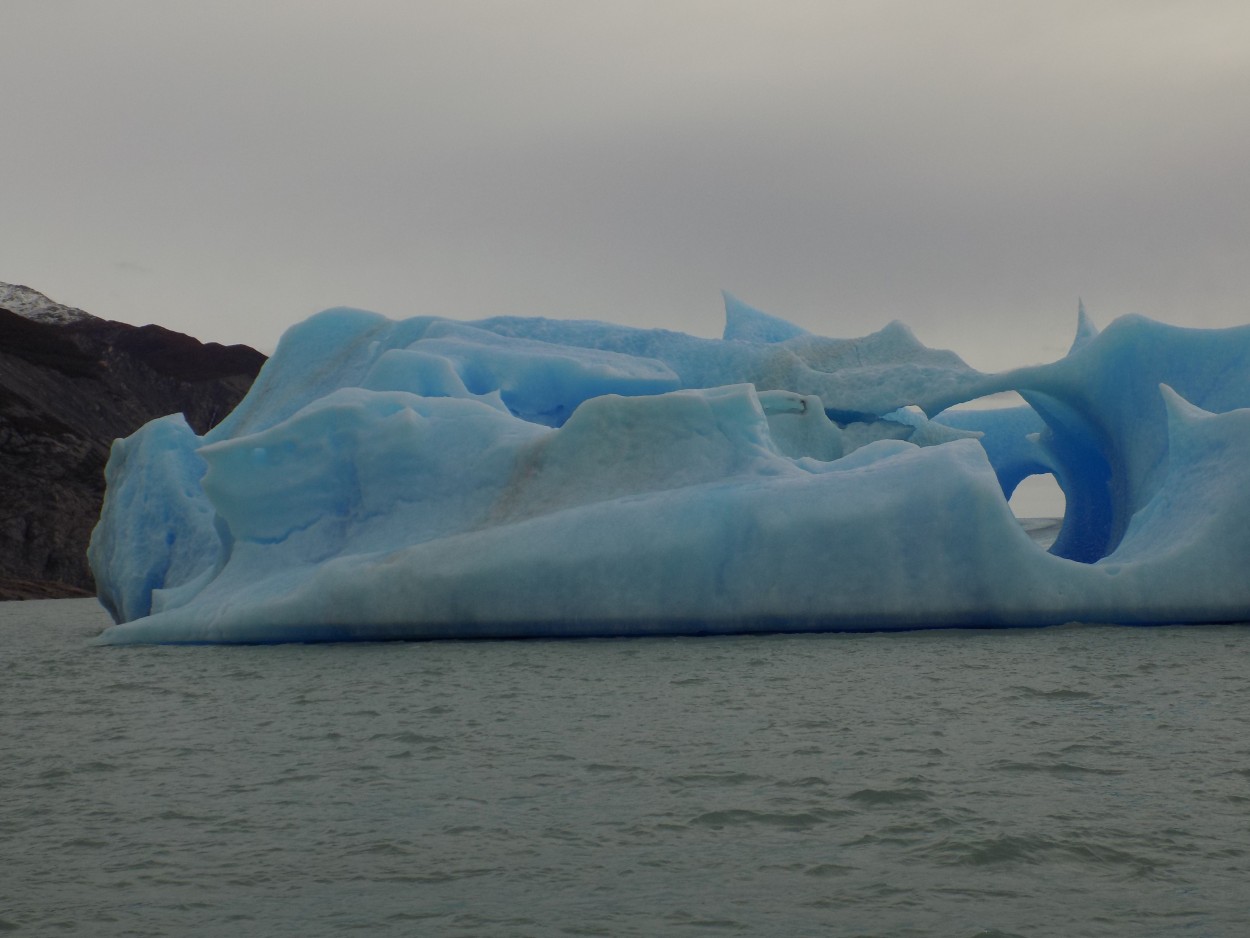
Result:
[{"x": 514, "y": 477}]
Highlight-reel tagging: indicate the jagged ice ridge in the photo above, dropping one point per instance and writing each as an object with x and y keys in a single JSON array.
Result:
[{"x": 527, "y": 477}]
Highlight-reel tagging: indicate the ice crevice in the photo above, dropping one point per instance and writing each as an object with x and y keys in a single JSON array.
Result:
[{"x": 425, "y": 478}]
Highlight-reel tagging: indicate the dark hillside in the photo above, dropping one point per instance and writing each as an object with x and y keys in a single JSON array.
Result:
[{"x": 67, "y": 390}]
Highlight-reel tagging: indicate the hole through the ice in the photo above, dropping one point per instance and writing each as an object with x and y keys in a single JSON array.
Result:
[
  {"x": 1038, "y": 496},
  {"x": 1053, "y": 444},
  {"x": 1039, "y": 505}
]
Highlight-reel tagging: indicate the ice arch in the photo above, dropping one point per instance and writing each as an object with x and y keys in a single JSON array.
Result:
[
  {"x": 1104, "y": 425},
  {"x": 1046, "y": 435}
]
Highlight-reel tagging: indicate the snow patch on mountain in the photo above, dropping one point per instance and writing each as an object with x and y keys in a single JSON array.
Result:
[{"x": 31, "y": 304}]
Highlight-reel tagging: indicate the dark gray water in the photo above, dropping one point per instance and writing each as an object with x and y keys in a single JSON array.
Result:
[{"x": 1066, "y": 782}]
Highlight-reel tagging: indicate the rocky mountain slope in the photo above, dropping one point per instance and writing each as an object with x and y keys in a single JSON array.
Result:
[{"x": 70, "y": 383}]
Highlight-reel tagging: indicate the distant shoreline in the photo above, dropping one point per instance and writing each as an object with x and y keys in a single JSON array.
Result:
[{"x": 13, "y": 589}]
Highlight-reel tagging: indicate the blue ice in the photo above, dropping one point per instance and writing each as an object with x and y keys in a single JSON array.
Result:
[{"x": 530, "y": 477}]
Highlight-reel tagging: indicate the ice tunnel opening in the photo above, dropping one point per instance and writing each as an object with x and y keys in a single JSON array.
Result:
[
  {"x": 1037, "y": 476},
  {"x": 1082, "y": 462},
  {"x": 1038, "y": 496},
  {"x": 1039, "y": 505}
]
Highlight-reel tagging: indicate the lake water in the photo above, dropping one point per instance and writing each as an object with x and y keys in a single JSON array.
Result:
[{"x": 1068, "y": 782}]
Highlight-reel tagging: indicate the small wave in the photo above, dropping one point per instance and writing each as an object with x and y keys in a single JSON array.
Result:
[
  {"x": 886, "y": 796},
  {"x": 126, "y": 686},
  {"x": 97, "y": 766},
  {"x": 699, "y": 779},
  {"x": 290, "y": 779},
  {"x": 408, "y": 737},
  {"x": 740, "y": 817},
  {"x": 1084, "y": 747},
  {"x": 1052, "y": 768},
  {"x": 826, "y": 870},
  {"x": 700, "y": 921},
  {"x": 87, "y": 842},
  {"x": 175, "y": 815},
  {"x": 1030, "y": 850},
  {"x": 808, "y": 781},
  {"x": 990, "y": 851},
  {"x": 438, "y": 877},
  {"x": 382, "y": 848},
  {"x": 1060, "y": 693},
  {"x": 608, "y": 768}
]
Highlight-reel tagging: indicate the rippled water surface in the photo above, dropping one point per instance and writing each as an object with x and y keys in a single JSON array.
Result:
[{"x": 1066, "y": 782}]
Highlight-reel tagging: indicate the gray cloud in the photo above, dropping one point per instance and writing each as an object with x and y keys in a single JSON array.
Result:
[{"x": 969, "y": 167}]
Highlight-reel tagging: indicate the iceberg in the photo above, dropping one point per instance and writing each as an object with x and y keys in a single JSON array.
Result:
[{"x": 518, "y": 477}]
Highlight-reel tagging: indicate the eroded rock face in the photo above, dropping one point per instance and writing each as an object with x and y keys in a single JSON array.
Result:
[{"x": 69, "y": 386}]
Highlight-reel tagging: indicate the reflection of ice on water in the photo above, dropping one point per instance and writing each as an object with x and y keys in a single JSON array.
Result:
[{"x": 1042, "y": 530}]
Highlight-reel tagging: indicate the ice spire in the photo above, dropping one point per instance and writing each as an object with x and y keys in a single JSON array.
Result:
[{"x": 1086, "y": 331}]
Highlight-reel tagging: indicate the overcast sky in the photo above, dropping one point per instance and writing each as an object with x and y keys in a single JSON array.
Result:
[{"x": 226, "y": 168}]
